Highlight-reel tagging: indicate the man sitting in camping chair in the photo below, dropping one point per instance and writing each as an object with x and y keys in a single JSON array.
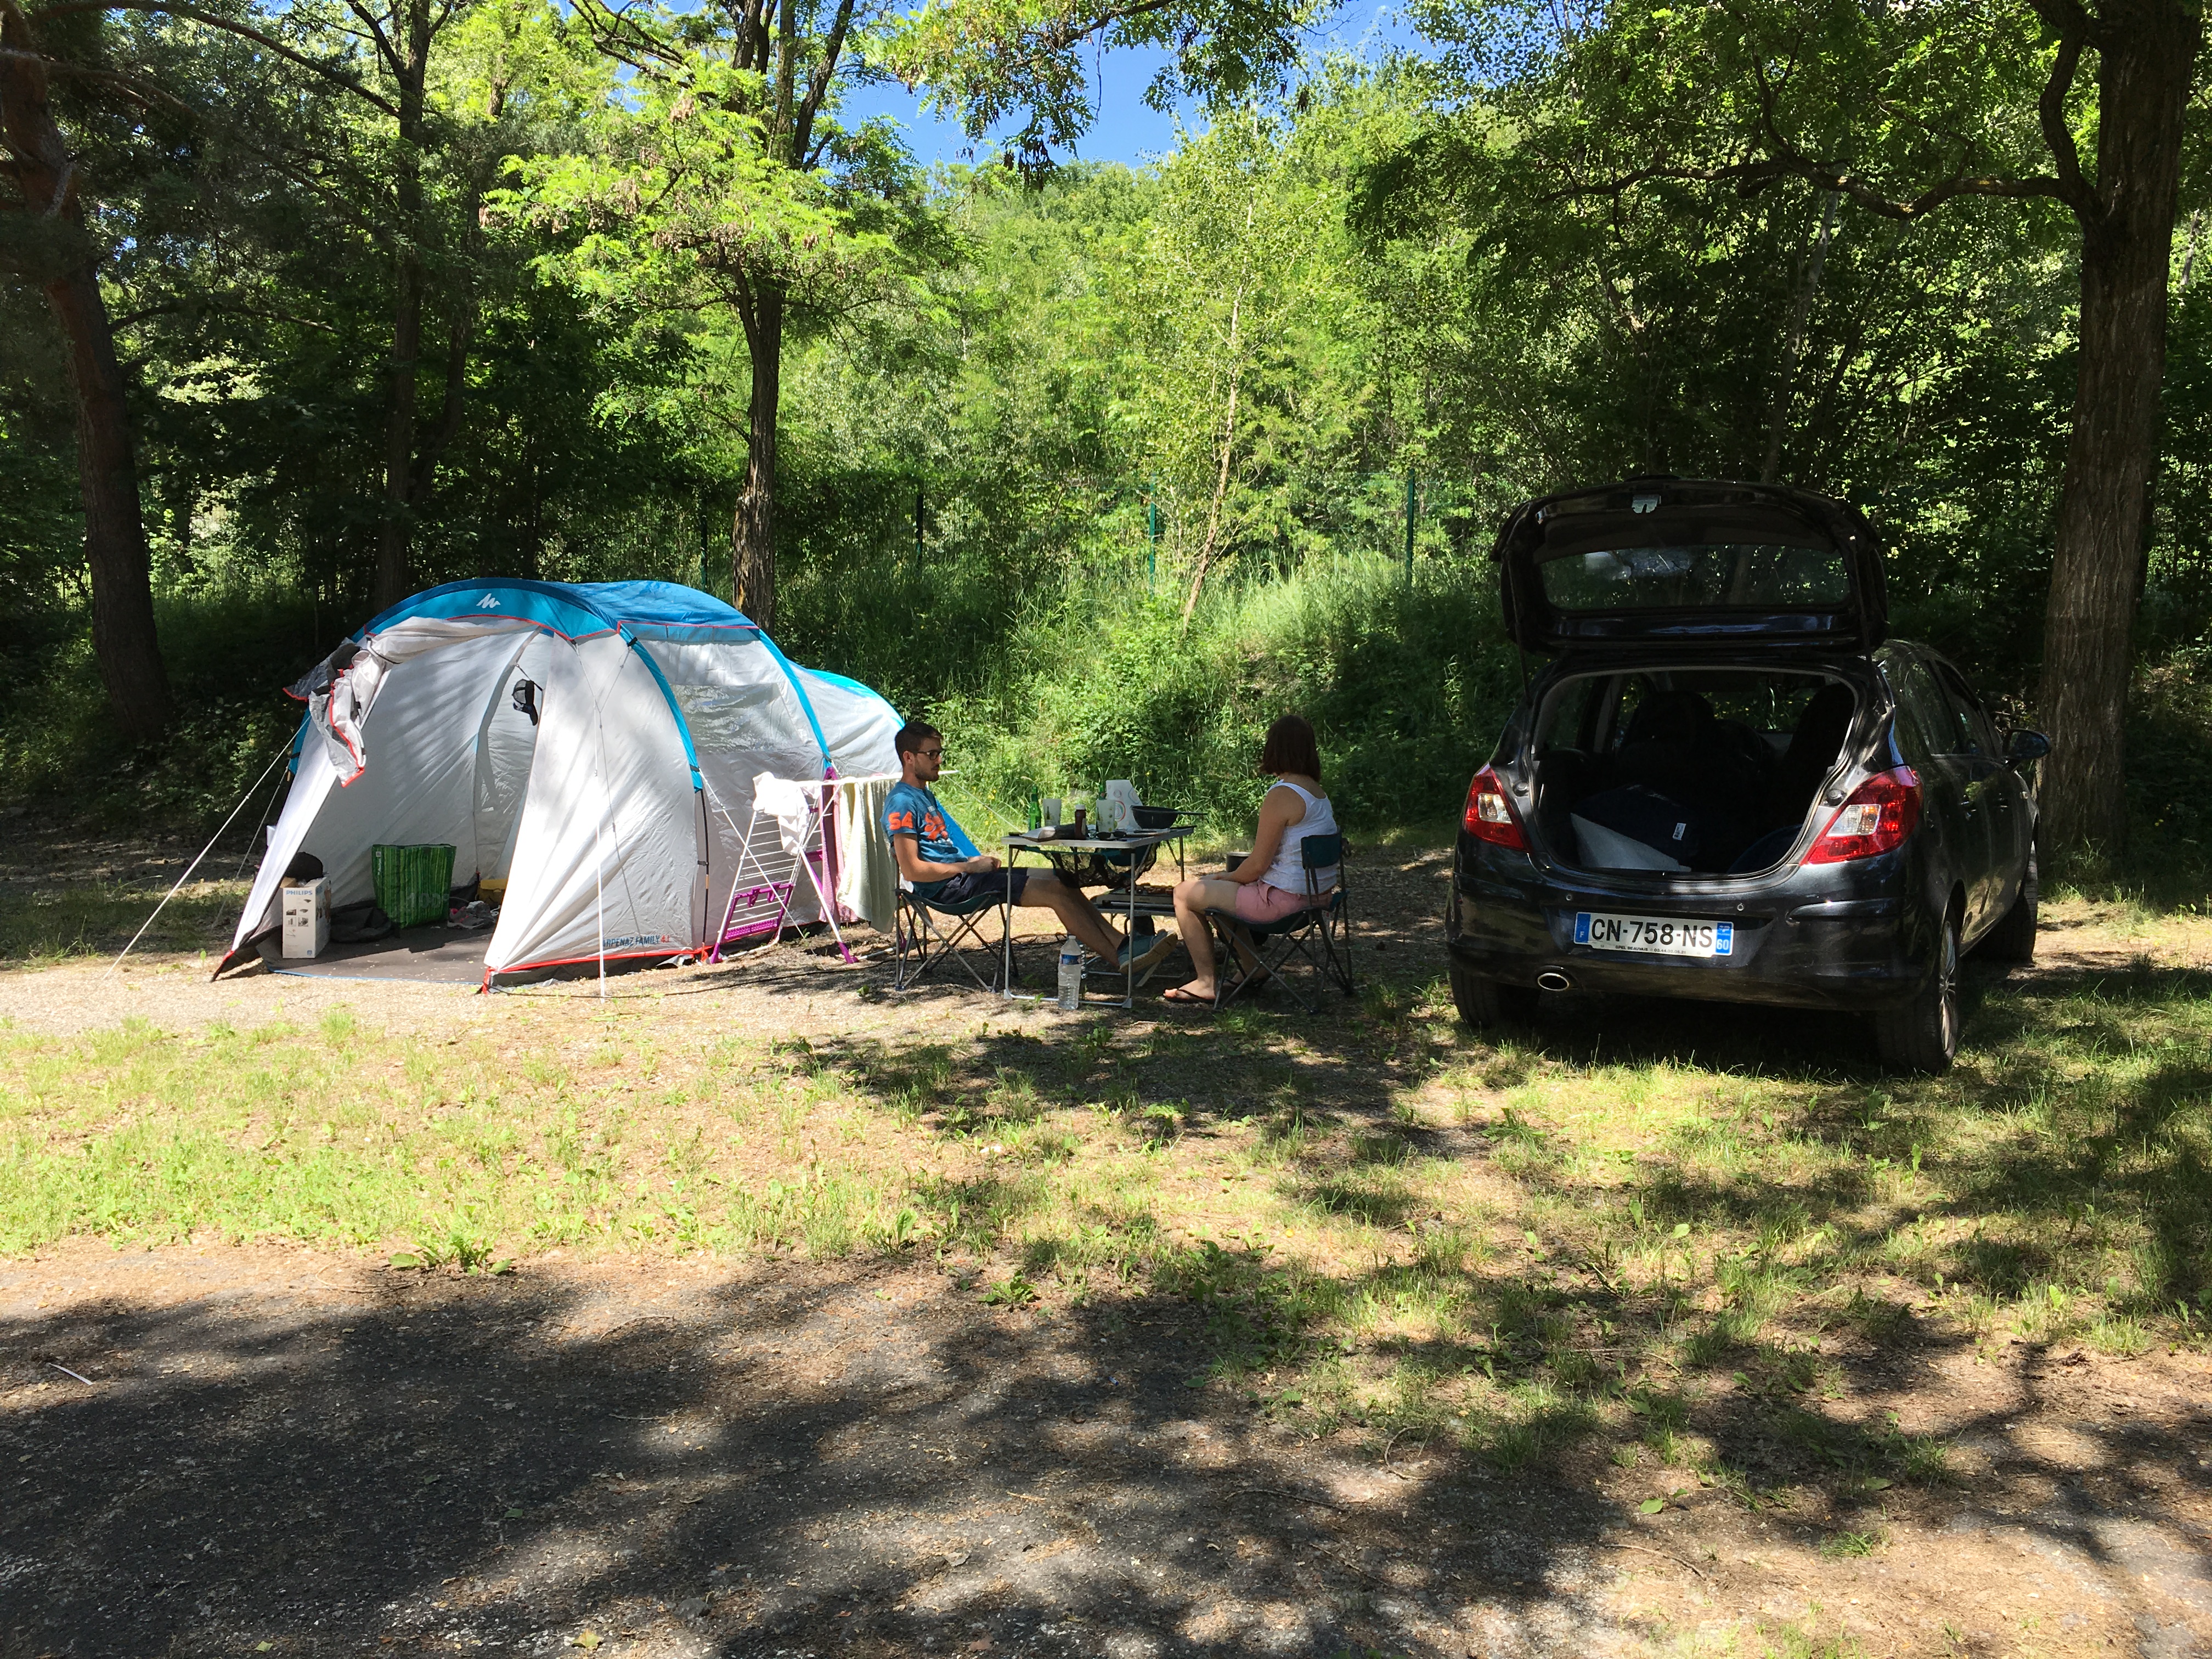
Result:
[{"x": 947, "y": 874}]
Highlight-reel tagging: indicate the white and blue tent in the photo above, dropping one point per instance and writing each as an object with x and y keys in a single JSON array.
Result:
[{"x": 593, "y": 744}]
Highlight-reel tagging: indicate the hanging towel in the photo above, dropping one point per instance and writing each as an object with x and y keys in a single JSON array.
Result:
[{"x": 867, "y": 874}]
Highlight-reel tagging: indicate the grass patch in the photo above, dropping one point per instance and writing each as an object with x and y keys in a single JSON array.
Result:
[
  {"x": 46, "y": 921},
  {"x": 1670, "y": 1242}
]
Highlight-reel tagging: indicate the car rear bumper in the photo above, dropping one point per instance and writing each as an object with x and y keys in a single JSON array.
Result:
[{"x": 1836, "y": 936}]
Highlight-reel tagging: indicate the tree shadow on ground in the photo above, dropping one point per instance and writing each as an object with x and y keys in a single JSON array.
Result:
[
  {"x": 858, "y": 1464},
  {"x": 861, "y": 1463}
]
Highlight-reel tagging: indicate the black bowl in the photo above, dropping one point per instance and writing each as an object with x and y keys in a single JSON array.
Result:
[
  {"x": 1158, "y": 818},
  {"x": 1101, "y": 869}
]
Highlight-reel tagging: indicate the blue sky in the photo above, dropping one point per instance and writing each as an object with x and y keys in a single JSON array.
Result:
[{"x": 1127, "y": 129}]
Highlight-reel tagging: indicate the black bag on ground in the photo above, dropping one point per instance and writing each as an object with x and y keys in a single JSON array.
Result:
[{"x": 359, "y": 924}]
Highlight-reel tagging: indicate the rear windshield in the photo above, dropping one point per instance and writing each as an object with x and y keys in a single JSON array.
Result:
[{"x": 1702, "y": 576}]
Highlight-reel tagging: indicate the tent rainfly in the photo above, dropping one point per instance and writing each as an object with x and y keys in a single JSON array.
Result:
[{"x": 594, "y": 744}]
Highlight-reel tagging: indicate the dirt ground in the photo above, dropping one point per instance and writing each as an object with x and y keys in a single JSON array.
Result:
[
  {"x": 273, "y": 1447},
  {"x": 217, "y": 1450}
]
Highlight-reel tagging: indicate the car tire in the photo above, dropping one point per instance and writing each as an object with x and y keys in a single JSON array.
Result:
[
  {"x": 1922, "y": 1034},
  {"x": 1484, "y": 1003},
  {"x": 2012, "y": 940}
]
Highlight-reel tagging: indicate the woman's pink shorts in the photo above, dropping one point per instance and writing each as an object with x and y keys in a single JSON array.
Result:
[{"x": 1256, "y": 901}]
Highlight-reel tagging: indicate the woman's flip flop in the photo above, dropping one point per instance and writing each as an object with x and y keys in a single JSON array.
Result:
[{"x": 1184, "y": 999}]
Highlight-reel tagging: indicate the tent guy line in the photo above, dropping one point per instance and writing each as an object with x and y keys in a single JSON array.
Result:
[{"x": 195, "y": 864}]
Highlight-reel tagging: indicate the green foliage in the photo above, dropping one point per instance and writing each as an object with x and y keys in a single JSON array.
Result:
[
  {"x": 1005, "y": 403},
  {"x": 989, "y": 61},
  {"x": 1402, "y": 684},
  {"x": 688, "y": 196}
]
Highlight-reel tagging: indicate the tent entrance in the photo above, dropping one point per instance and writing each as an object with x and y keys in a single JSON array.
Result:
[
  {"x": 429, "y": 955},
  {"x": 453, "y": 736}
]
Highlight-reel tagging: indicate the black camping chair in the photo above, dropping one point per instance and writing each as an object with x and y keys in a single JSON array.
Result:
[
  {"x": 925, "y": 935},
  {"x": 1320, "y": 933}
]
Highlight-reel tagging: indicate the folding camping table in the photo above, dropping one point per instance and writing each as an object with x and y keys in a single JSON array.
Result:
[{"x": 1126, "y": 900}]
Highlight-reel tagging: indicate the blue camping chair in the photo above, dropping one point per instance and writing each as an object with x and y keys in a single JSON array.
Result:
[
  {"x": 1320, "y": 934},
  {"x": 925, "y": 936}
]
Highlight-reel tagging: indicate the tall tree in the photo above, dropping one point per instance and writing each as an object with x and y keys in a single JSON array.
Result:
[
  {"x": 1227, "y": 269},
  {"x": 2146, "y": 62},
  {"x": 733, "y": 176},
  {"x": 44, "y": 235},
  {"x": 1905, "y": 113},
  {"x": 429, "y": 235},
  {"x": 447, "y": 70},
  {"x": 724, "y": 187}
]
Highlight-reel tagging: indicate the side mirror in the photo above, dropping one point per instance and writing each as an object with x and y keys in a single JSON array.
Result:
[{"x": 2026, "y": 746}]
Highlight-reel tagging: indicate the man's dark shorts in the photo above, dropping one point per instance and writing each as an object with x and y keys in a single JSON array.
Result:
[{"x": 972, "y": 889}]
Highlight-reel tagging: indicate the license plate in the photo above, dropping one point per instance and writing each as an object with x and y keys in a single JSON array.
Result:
[{"x": 1658, "y": 936}]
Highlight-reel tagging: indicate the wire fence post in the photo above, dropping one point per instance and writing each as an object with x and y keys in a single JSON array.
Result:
[
  {"x": 1413, "y": 479},
  {"x": 1152, "y": 534}
]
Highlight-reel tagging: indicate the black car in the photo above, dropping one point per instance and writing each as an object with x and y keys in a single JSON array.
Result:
[{"x": 1725, "y": 782}]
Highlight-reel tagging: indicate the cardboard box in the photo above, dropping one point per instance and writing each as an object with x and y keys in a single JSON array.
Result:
[{"x": 306, "y": 918}]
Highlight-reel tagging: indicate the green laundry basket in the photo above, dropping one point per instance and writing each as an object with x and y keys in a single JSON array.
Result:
[{"x": 412, "y": 883}]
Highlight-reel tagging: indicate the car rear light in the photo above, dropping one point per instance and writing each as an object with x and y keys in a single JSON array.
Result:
[
  {"x": 1880, "y": 814},
  {"x": 1489, "y": 814}
]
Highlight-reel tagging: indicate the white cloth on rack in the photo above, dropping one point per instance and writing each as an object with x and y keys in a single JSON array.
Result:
[
  {"x": 791, "y": 805},
  {"x": 867, "y": 871}
]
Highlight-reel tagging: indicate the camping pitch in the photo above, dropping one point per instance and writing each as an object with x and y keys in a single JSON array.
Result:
[{"x": 594, "y": 746}]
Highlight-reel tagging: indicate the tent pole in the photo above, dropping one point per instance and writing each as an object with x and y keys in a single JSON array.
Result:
[{"x": 600, "y": 863}]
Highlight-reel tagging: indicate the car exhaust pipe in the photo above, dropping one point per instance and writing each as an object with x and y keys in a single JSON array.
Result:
[{"x": 1553, "y": 980}]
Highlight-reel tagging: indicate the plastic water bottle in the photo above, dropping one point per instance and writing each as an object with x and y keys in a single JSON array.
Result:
[{"x": 1071, "y": 973}]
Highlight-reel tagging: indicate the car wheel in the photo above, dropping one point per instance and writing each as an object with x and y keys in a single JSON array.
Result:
[
  {"x": 2012, "y": 940},
  {"x": 1486, "y": 1002},
  {"x": 1922, "y": 1034}
]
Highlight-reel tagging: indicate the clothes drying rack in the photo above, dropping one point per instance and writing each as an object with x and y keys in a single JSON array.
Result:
[{"x": 766, "y": 903}]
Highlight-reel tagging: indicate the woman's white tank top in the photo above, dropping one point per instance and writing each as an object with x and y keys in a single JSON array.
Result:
[{"x": 1288, "y": 871}]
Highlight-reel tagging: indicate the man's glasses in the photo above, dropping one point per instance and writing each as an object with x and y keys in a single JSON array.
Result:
[{"x": 930, "y": 754}]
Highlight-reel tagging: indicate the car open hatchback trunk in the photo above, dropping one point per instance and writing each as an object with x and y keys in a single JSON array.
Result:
[
  {"x": 1687, "y": 773},
  {"x": 1685, "y": 563}
]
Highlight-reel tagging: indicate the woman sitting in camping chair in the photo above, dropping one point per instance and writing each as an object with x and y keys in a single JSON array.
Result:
[{"x": 1271, "y": 884}]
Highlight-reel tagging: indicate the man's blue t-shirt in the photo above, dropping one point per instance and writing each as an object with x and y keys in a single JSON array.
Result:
[{"x": 910, "y": 810}]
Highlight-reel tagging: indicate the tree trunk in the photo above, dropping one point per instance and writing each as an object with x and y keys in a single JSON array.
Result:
[
  {"x": 753, "y": 536},
  {"x": 1228, "y": 448},
  {"x": 395, "y": 573},
  {"x": 2148, "y": 51},
  {"x": 395, "y": 576},
  {"x": 124, "y": 645},
  {"x": 124, "y": 640},
  {"x": 1793, "y": 343}
]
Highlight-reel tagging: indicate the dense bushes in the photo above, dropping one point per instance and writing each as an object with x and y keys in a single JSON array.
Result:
[
  {"x": 230, "y": 653},
  {"x": 1407, "y": 687}
]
